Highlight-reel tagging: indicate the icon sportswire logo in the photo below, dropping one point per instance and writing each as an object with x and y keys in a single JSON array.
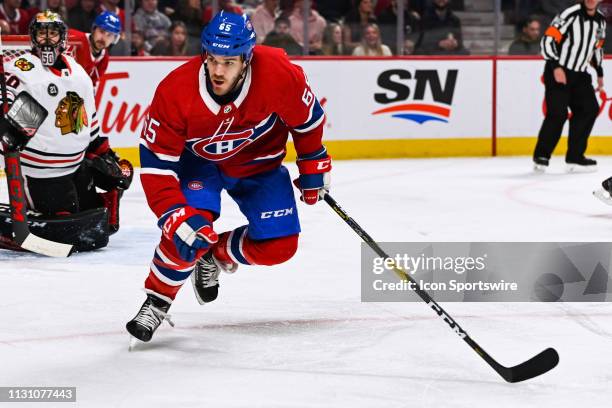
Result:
[{"x": 418, "y": 96}]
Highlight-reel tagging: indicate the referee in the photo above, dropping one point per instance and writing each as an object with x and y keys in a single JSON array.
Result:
[{"x": 573, "y": 41}]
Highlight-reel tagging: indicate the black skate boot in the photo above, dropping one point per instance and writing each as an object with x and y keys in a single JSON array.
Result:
[
  {"x": 152, "y": 313},
  {"x": 205, "y": 277},
  {"x": 540, "y": 164},
  {"x": 605, "y": 193},
  {"x": 581, "y": 165}
]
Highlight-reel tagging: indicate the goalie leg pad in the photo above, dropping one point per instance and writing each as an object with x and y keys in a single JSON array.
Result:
[{"x": 86, "y": 231}]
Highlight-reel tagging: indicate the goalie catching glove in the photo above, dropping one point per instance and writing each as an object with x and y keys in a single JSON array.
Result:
[
  {"x": 21, "y": 122},
  {"x": 314, "y": 178},
  {"x": 110, "y": 172},
  {"x": 188, "y": 230}
]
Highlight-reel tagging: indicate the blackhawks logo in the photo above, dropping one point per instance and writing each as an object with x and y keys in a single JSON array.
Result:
[
  {"x": 70, "y": 114},
  {"x": 24, "y": 65}
]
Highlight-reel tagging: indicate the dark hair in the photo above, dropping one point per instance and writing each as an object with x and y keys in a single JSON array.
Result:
[
  {"x": 525, "y": 23},
  {"x": 174, "y": 25},
  {"x": 282, "y": 19}
]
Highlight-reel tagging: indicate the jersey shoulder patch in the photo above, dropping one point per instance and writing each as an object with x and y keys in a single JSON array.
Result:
[{"x": 23, "y": 64}]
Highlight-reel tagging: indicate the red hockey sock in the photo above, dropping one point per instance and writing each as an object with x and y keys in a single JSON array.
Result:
[{"x": 236, "y": 247}]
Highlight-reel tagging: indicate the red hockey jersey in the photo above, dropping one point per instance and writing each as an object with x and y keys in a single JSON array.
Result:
[
  {"x": 94, "y": 66},
  {"x": 243, "y": 138}
]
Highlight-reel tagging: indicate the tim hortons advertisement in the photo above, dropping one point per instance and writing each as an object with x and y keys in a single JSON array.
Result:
[
  {"x": 363, "y": 99},
  {"x": 520, "y": 99}
]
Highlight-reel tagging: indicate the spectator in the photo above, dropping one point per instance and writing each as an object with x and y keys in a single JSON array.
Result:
[
  {"x": 17, "y": 18},
  {"x": 178, "y": 43},
  {"x": 224, "y": 5},
  {"x": 333, "y": 41},
  {"x": 316, "y": 26},
  {"x": 281, "y": 37},
  {"x": 113, "y": 7},
  {"x": 263, "y": 18},
  {"x": 138, "y": 45},
  {"x": 82, "y": 16},
  {"x": 5, "y": 28},
  {"x": 528, "y": 41},
  {"x": 371, "y": 44},
  {"x": 153, "y": 24},
  {"x": 190, "y": 12},
  {"x": 441, "y": 31},
  {"x": 357, "y": 19},
  {"x": 408, "y": 48},
  {"x": 387, "y": 20},
  {"x": 334, "y": 10}
]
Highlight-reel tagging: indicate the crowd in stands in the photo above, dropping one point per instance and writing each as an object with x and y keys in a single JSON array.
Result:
[{"x": 335, "y": 27}]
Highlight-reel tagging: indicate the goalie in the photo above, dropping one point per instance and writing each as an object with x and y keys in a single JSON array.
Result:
[{"x": 67, "y": 158}]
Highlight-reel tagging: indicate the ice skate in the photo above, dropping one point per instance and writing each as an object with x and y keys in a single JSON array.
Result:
[
  {"x": 150, "y": 316},
  {"x": 581, "y": 165},
  {"x": 540, "y": 164},
  {"x": 205, "y": 277}
]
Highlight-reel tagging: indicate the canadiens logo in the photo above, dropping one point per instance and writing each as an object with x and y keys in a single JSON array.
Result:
[
  {"x": 219, "y": 148},
  {"x": 224, "y": 144},
  {"x": 24, "y": 65},
  {"x": 195, "y": 185}
]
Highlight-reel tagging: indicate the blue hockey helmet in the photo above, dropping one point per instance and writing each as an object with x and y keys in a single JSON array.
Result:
[
  {"x": 109, "y": 22},
  {"x": 229, "y": 35}
]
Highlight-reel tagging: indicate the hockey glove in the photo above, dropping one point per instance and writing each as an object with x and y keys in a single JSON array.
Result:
[
  {"x": 189, "y": 231},
  {"x": 314, "y": 177},
  {"x": 21, "y": 121},
  {"x": 109, "y": 172}
]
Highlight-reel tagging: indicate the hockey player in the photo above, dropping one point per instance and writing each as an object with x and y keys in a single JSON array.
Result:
[
  {"x": 221, "y": 122},
  {"x": 92, "y": 52},
  {"x": 67, "y": 158}
]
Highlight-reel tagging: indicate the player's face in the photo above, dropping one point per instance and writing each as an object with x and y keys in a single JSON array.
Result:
[
  {"x": 48, "y": 35},
  {"x": 101, "y": 39},
  {"x": 224, "y": 72}
]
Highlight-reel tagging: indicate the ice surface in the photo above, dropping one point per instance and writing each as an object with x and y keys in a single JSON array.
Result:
[{"x": 296, "y": 335}]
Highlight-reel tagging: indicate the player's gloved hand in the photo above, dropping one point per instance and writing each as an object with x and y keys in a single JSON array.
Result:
[
  {"x": 110, "y": 172},
  {"x": 189, "y": 231},
  {"x": 314, "y": 177},
  {"x": 21, "y": 122},
  {"x": 12, "y": 138}
]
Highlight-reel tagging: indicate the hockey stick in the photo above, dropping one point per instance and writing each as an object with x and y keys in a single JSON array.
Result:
[
  {"x": 535, "y": 366},
  {"x": 19, "y": 216}
]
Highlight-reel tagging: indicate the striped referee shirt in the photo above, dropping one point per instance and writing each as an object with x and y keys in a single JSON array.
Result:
[{"x": 575, "y": 39}]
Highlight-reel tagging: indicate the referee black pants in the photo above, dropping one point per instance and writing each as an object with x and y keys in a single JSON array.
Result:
[{"x": 578, "y": 94}]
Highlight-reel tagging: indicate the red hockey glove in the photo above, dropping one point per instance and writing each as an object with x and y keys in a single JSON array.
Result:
[
  {"x": 314, "y": 177},
  {"x": 189, "y": 231}
]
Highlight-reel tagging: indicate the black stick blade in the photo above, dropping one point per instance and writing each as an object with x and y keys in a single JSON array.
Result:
[{"x": 535, "y": 366}]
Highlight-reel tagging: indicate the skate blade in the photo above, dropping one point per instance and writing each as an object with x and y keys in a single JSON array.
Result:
[
  {"x": 539, "y": 168},
  {"x": 603, "y": 196},
  {"x": 133, "y": 342},
  {"x": 575, "y": 168}
]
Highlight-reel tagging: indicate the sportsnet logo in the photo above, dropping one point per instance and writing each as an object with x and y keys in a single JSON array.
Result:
[{"x": 410, "y": 103}]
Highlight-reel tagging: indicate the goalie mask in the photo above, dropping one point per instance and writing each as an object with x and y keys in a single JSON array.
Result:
[{"x": 48, "y": 36}]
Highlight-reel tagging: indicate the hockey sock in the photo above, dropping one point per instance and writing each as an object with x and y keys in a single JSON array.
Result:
[{"x": 237, "y": 247}]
